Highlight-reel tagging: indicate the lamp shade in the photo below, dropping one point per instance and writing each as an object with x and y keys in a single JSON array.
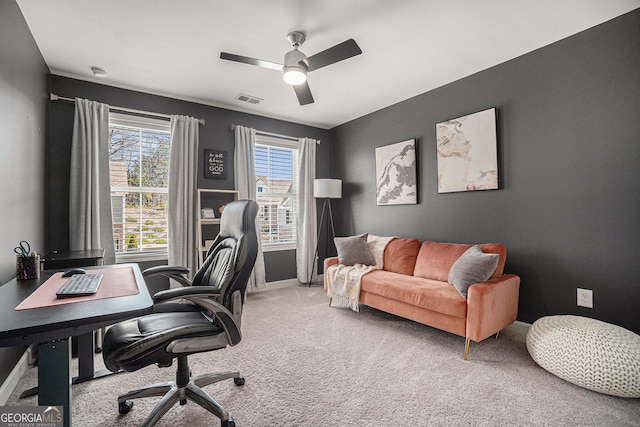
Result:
[{"x": 327, "y": 188}]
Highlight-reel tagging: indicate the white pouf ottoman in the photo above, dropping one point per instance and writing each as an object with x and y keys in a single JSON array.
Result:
[{"x": 587, "y": 352}]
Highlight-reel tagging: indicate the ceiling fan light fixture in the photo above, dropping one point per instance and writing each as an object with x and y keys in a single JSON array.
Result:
[
  {"x": 294, "y": 71},
  {"x": 296, "y": 64},
  {"x": 294, "y": 75}
]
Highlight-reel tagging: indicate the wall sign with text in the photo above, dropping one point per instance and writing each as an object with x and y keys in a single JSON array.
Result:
[{"x": 215, "y": 164}]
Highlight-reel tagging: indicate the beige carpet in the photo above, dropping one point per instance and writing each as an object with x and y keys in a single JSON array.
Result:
[{"x": 307, "y": 364}]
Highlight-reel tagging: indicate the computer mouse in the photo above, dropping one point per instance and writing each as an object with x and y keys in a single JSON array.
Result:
[{"x": 73, "y": 271}]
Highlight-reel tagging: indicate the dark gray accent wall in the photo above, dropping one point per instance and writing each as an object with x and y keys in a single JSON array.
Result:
[
  {"x": 215, "y": 134},
  {"x": 23, "y": 121},
  {"x": 568, "y": 210}
]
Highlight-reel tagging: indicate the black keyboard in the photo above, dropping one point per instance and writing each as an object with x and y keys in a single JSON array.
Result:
[{"x": 79, "y": 285}]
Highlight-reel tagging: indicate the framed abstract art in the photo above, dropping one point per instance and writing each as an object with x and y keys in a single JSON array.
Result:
[
  {"x": 468, "y": 153},
  {"x": 396, "y": 174}
]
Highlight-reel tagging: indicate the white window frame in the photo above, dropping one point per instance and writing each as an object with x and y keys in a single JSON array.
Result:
[
  {"x": 292, "y": 145},
  {"x": 148, "y": 123}
]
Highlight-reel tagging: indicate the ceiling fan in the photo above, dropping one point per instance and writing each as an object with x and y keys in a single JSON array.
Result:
[{"x": 297, "y": 64}]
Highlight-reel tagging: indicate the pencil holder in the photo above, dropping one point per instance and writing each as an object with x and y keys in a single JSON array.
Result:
[{"x": 28, "y": 267}]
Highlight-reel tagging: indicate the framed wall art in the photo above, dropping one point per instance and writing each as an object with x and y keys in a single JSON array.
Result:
[
  {"x": 215, "y": 164},
  {"x": 396, "y": 174},
  {"x": 468, "y": 153}
]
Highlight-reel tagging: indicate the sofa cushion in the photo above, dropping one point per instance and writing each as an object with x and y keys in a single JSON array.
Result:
[
  {"x": 432, "y": 295},
  {"x": 496, "y": 248},
  {"x": 473, "y": 266},
  {"x": 400, "y": 255},
  {"x": 354, "y": 250},
  {"x": 436, "y": 258}
]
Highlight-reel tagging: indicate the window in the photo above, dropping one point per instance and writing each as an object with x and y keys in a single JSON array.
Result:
[
  {"x": 139, "y": 172},
  {"x": 276, "y": 161}
]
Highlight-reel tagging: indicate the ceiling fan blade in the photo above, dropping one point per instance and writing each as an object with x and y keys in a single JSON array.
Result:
[
  {"x": 251, "y": 61},
  {"x": 303, "y": 93},
  {"x": 332, "y": 55}
]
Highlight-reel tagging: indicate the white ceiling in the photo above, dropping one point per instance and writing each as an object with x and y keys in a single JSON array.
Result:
[{"x": 172, "y": 48}]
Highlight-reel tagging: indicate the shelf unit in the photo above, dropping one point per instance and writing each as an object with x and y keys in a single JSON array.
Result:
[{"x": 208, "y": 228}]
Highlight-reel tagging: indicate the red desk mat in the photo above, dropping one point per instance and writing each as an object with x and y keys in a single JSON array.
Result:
[{"x": 116, "y": 282}]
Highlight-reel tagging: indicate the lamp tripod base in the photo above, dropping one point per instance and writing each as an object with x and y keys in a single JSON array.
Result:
[{"x": 325, "y": 207}]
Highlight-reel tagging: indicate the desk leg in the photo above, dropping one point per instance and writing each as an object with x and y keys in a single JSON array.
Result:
[
  {"x": 86, "y": 368},
  {"x": 54, "y": 376},
  {"x": 85, "y": 356}
]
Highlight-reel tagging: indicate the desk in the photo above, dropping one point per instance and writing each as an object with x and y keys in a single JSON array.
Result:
[
  {"x": 53, "y": 326},
  {"x": 84, "y": 346}
]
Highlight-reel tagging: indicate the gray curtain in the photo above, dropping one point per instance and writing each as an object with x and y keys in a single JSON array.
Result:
[
  {"x": 245, "y": 178},
  {"x": 90, "y": 220},
  {"x": 307, "y": 215},
  {"x": 183, "y": 169}
]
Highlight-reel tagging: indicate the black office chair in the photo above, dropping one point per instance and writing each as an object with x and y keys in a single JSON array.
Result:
[{"x": 209, "y": 321}]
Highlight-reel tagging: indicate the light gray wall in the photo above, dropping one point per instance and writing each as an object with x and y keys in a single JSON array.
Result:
[
  {"x": 23, "y": 117},
  {"x": 569, "y": 206}
]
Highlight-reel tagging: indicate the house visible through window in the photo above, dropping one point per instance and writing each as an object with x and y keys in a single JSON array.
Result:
[
  {"x": 139, "y": 169},
  {"x": 276, "y": 161}
]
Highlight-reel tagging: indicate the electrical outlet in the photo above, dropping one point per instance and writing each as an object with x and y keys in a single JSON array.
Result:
[{"x": 585, "y": 298}]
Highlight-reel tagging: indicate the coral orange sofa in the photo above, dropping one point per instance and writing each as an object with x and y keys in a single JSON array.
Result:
[{"x": 413, "y": 283}]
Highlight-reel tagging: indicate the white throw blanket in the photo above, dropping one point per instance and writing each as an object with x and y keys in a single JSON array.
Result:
[{"x": 343, "y": 282}]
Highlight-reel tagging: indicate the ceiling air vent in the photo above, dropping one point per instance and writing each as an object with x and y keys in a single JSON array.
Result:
[{"x": 248, "y": 98}]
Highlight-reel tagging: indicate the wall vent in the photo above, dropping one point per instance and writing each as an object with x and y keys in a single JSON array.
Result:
[{"x": 248, "y": 98}]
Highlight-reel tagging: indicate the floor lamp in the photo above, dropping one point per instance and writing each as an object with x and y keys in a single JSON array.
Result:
[{"x": 325, "y": 189}]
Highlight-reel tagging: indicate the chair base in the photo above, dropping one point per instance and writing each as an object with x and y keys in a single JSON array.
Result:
[{"x": 183, "y": 389}]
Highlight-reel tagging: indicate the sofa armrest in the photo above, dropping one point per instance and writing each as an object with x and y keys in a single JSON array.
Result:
[
  {"x": 328, "y": 262},
  {"x": 492, "y": 306}
]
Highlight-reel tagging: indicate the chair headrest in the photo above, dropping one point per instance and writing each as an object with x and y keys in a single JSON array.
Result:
[{"x": 238, "y": 217}]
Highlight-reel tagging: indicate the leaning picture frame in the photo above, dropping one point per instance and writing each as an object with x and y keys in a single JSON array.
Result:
[
  {"x": 467, "y": 152},
  {"x": 207, "y": 213}
]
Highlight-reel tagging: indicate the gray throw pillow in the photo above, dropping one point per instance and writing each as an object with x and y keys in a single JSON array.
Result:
[
  {"x": 354, "y": 250},
  {"x": 473, "y": 266}
]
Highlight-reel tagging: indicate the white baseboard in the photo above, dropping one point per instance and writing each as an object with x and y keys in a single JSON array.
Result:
[
  {"x": 12, "y": 380},
  {"x": 288, "y": 283},
  {"x": 519, "y": 328}
]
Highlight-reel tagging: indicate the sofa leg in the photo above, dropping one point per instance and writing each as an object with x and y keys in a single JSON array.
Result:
[
  {"x": 466, "y": 348},
  {"x": 497, "y": 334},
  {"x": 330, "y": 301}
]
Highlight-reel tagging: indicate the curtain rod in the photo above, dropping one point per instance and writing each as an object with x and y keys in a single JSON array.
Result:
[
  {"x": 277, "y": 135},
  {"x": 54, "y": 97}
]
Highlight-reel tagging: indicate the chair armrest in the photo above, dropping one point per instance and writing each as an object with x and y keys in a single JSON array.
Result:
[
  {"x": 188, "y": 291},
  {"x": 492, "y": 306},
  {"x": 172, "y": 272},
  {"x": 225, "y": 319},
  {"x": 328, "y": 262},
  {"x": 222, "y": 315},
  {"x": 202, "y": 296}
]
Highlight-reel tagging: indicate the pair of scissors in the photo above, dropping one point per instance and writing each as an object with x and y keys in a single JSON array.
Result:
[{"x": 23, "y": 249}]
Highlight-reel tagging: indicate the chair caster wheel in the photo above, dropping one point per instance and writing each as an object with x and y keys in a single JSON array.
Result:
[
  {"x": 238, "y": 381},
  {"x": 228, "y": 423},
  {"x": 125, "y": 407}
]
